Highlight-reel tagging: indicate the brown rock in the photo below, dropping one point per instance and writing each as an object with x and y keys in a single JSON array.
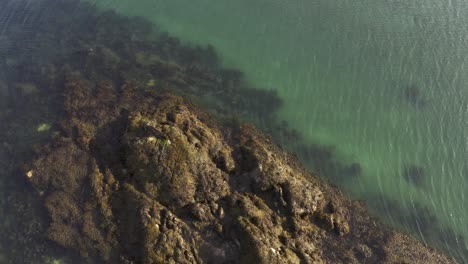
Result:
[{"x": 144, "y": 178}]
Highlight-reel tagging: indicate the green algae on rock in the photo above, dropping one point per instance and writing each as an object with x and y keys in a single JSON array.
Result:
[{"x": 115, "y": 191}]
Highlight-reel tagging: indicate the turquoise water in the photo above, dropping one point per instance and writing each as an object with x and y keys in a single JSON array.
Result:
[{"x": 383, "y": 82}]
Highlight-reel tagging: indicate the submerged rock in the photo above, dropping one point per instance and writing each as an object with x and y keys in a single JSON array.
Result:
[
  {"x": 413, "y": 96},
  {"x": 414, "y": 174},
  {"x": 141, "y": 177}
]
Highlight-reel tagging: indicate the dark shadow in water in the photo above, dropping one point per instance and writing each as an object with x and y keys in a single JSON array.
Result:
[
  {"x": 323, "y": 160},
  {"x": 413, "y": 96},
  {"x": 414, "y": 175}
]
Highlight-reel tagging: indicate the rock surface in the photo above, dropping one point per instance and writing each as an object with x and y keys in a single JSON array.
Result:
[{"x": 145, "y": 177}]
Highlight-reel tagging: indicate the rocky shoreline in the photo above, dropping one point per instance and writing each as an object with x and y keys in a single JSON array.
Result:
[
  {"x": 144, "y": 177},
  {"x": 103, "y": 157}
]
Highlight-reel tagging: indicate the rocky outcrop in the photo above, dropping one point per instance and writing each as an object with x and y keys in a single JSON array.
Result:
[{"x": 145, "y": 177}]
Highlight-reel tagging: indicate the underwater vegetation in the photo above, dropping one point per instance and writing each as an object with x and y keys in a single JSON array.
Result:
[
  {"x": 69, "y": 75},
  {"x": 323, "y": 159},
  {"x": 139, "y": 51},
  {"x": 420, "y": 221}
]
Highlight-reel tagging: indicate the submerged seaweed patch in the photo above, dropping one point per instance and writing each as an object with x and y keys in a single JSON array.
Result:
[
  {"x": 92, "y": 67},
  {"x": 421, "y": 221}
]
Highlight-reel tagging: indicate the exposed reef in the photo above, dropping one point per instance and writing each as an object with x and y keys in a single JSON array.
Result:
[
  {"x": 125, "y": 172},
  {"x": 144, "y": 177}
]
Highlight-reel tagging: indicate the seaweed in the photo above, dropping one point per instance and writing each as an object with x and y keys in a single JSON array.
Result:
[
  {"x": 89, "y": 69},
  {"x": 423, "y": 223},
  {"x": 105, "y": 45}
]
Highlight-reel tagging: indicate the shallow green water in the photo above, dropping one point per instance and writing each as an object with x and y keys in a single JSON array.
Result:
[
  {"x": 383, "y": 83},
  {"x": 342, "y": 68}
]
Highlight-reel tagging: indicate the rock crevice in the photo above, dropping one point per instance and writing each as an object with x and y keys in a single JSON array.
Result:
[{"x": 141, "y": 177}]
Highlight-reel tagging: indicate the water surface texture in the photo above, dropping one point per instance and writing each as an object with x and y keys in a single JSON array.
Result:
[
  {"x": 381, "y": 85},
  {"x": 383, "y": 82}
]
